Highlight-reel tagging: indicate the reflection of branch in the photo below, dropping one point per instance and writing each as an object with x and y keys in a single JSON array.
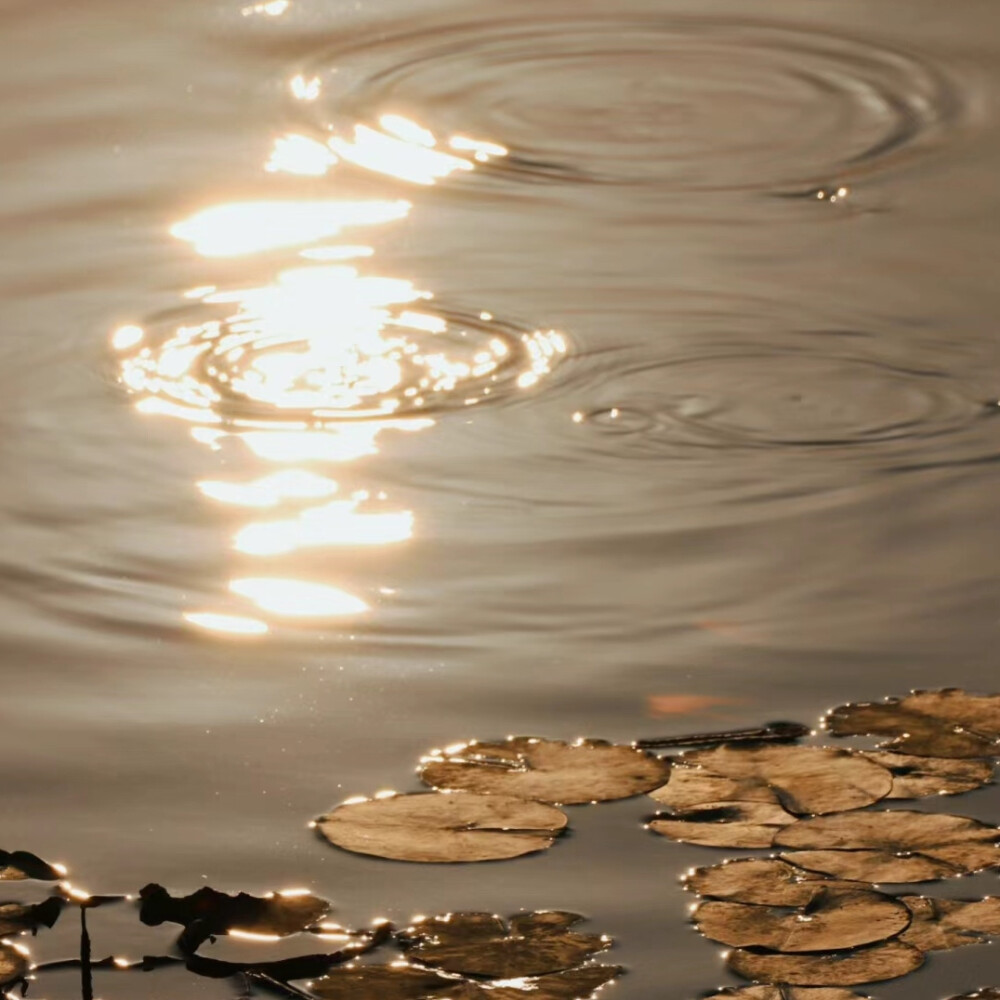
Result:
[
  {"x": 773, "y": 732},
  {"x": 86, "y": 975}
]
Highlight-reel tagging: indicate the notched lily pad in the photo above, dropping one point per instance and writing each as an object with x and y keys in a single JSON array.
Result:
[
  {"x": 762, "y": 882},
  {"x": 724, "y": 824},
  {"x": 545, "y": 770},
  {"x": 13, "y": 964},
  {"x": 786, "y": 993},
  {"x": 16, "y": 918},
  {"x": 481, "y": 944},
  {"x": 443, "y": 827},
  {"x": 833, "y": 919},
  {"x": 207, "y": 913},
  {"x": 806, "y": 780},
  {"x": 878, "y": 962},
  {"x": 897, "y": 846},
  {"x": 941, "y": 924},
  {"x": 919, "y": 777},
  {"x": 948, "y": 723},
  {"x": 18, "y": 865}
]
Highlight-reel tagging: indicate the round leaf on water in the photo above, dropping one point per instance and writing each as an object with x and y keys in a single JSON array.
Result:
[
  {"x": 940, "y": 924},
  {"x": 806, "y": 780},
  {"x": 694, "y": 786},
  {"x": 786, "y": 993},
  {"x": 576, "y": 984},
  {"x": 433, "y": 827},
  {"x": 949, "y": 723},
  {"x": 392, "y": 982},
  {"x": 898, "y": 846},
  {"x": 484, "y": 945},
  {"x": 833, "y": 919},
  {"x": 546, "y": 770},
  {"x": 13, "y": 965},
  {"x": 761, "y": 881},
  {"x": 842, "y": 968},
  {"x": 918, "y": 777},
  {"x": 725, "y": 824}
]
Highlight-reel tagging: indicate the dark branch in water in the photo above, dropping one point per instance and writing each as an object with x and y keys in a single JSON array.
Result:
[{"x": 773, "y": 732}]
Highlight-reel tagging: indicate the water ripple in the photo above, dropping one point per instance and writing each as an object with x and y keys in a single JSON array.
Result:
[{"x": 691, "y": 103}]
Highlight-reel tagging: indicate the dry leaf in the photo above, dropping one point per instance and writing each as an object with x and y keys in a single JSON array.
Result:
[
  {"x": 18, "y": 917},
  {"x": 761, "y": 881},
  {"x": 833, "y": 919},
  {"x": 887, "y": 960},
  {"x": 694, "y": 786},
  {"x": 392, "y": 982},
  {"x": 13, "y": 965},
  {"x": 481, "y": 944},
  {"x": 724, "y": 824},
  {"x": 898, "y": 846},
  {"x": 546, "y": 770},
  {"x": 576, "y": 984},
  {"x": 448, "y": 827},
  {"x": 18, "y": 865},
  {"x": 940, "y": 924},
  {"x": 949, "y": 723},
  {"x": 919, "y": 777},
  {"x": 806, "y": 780}
]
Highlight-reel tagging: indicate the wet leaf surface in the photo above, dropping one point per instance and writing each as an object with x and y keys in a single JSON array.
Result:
[
  {"x": 481, "y": 944},
  {"x": 391, "y": 982},
  {"x": 941, "y": 924},
  {"x": 725, "y": 824},
  {"x": 443, "y": 827},
  {"x": 207, "y": 913},
  {"x": 806, "y": 780},
  {"x": 919, "y": 777},
  {"x": 18, "y": 917},
  {"x": 786, "y": 993},
  {"x": 832, "y": 920},
  {"x": 13, "y": 965},
  {"x": 546, "y": 770},
  {"x": 690, "y": 787},
  {"x": 17, "y": 865},
  {"x": 948, "y": 723},
  {"x": 897, "y": 846},
  {"x": 761, "y": 881},
  {"x": 576, "y": 984},
  {"x": 875, "y": 963}
]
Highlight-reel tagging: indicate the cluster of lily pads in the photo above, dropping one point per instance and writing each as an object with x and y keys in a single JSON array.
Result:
[{"x": 803, "y": 923}]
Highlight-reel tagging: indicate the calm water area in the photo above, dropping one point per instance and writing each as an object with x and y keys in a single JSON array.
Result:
[{"x": 698, "y": 430}]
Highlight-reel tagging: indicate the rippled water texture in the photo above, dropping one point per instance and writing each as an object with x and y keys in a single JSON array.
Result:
[{"x": 381, "y": 376}]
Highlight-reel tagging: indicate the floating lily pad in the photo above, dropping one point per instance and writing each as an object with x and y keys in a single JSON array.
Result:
[
  {"x": 725, "y": 824},
  {"x": 481, "y": 944},
  {"x": 18, "y": 865},
  {"x": 940, "y": 924},
  {"x": 878, "y": 962},
  {"x": 898, "y": 846},
  {"x": 392, "y": 982},
  {"x": 443, "y": 827},
  {"x": 786, "y": 993},
  {"x": 13, "y": 965},
  {"x": 833, "y": 919},
  {"x": 576, "y": 984},
  {"x": 207, "y": 913},
  {"x": 761, "y": 881},
  {"x": 949, "y": 723},
  {"x": 919, "y": 777},
  {"x": 689, "y": 787},
  {"x": 18, "y": 917},
  {"x": 806, "y": 780},
  {"x": 546, "y": 770}
]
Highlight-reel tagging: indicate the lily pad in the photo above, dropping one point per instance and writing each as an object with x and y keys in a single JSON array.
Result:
[
  {"x": 806, "y": 780},
  {"x": 919, "y": 777},
  {"x": 546, "y": 770},
  {"x": 391, "y": 982},
  {"x": 13, "y": 965},
  {"x": 878, "y": 962},
  {"x": 786, "y": 993},
  {"x": 481, "y": 944},
  {"x": 949, "y": 723},
  {"x": 941, "y": 924},
  {"x": 725, "y": 824},
  {"x": 576, "y": 984},
  {"x": 18, "y": 917},
  {"x": 833, "y": 919},
  {"x": 18, "y": 865},
  {"x": 898, "y": 846},
  {"x": 761, "y": 881},
  {"x": 443, "y": 827},
  {"x": 689, "y": 787}
]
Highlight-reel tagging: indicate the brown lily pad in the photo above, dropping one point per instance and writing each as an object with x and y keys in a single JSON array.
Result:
[
  {"x": 786, "y": 993},
  {"x": 18, "y": 865},
  {"x": 949, "y": 723},
  {"x": 833, "y": 919},
  {"x": 898, "y": 846},
  {"x": 13, "y": 964},
  {"x": 482, "y": 944},
  {"x": 878, "y": 962},
  {"x": 919, "y": 777},
  {"x": 575, "y": 984},
  {"x": 689, "y": 787},
  {"x": 806, "y": 780},
  {"x": 18, "y": 917},
  {"x": 392, "y": 982},
  {"x": 762, "y": 882},
  {"x": 545, "y": 770},
  {"x": 724, "y": 824},
  {"x": 443, "y": 827},
  {"x": 941, "y": 924}
]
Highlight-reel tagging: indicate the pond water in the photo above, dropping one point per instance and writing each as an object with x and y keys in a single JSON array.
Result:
[{"x": 699, "y": 428}]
